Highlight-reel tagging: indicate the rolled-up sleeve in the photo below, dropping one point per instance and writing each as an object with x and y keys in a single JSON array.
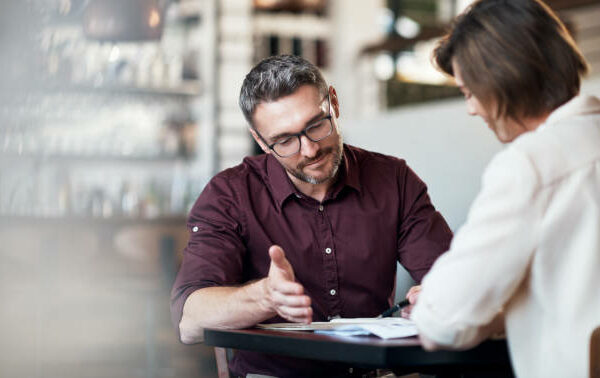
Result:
[
  {"x": 215, "y": 250},
  {"x": 423, "y": 233},
  {"x": 488, "y": 258}
]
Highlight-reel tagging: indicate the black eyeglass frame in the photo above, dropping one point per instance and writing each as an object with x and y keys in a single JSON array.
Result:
[{"x": 303, "y": 132}]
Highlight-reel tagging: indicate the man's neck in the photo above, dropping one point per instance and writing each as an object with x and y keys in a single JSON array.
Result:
[{"x": 316, "y": 191}]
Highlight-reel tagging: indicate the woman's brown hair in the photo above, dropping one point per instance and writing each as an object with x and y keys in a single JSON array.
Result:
[{"x": 515, "y": 55}]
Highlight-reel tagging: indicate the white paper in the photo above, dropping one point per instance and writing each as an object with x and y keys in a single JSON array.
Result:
[
  {"x": 386, "y": 328},
  {"x": 345, "y": 330},
  {"x": 297, "y": 326},
  {"x": 392, "y": 331}
]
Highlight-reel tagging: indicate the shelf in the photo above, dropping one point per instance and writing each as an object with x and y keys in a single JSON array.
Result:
[
  {"x": 117, "y": 221},
  {"x": 292, "y": 25},
  {"x": 184, "y": 11},
  {"x": 186, "y": 88},
  {"x": 96, "y": 158},
  {"x": 126, "y": 129},
  {"x": 396, "y": 43},
  {"x": 295, "y": 6}
]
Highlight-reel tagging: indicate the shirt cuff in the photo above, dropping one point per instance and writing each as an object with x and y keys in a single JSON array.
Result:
[{"x": 440, "y": 332}]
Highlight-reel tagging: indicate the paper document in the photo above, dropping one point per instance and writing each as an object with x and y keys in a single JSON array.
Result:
[{"x": 385, "y": 328}]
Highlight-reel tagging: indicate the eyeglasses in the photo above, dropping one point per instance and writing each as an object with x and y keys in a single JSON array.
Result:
[{"x": 290, "y": 144}]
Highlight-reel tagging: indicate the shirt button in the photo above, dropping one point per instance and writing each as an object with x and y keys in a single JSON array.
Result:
[
  {"x": 328, "y": 250},
  {"x": 320, "y": 207},
  {"x": 332, "y": 291},
  {"x": 195, "y": 229}
]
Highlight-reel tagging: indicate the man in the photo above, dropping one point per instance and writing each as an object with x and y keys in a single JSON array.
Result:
[
  {"x": 530, "y": 248},
  {"x": 309, "y": 231}
]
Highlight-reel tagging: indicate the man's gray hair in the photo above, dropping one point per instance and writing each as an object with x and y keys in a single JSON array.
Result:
[{"x": 276, "y": 77}]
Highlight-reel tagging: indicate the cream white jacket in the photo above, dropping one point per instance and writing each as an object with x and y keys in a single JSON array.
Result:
[{"x": 530, "y": 246}]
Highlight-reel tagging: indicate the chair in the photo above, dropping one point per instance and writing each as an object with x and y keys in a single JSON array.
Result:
[{"x": 595, "y": 353}]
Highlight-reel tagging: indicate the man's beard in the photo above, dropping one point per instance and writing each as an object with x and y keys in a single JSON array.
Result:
[{"x": 337, "y": 159}]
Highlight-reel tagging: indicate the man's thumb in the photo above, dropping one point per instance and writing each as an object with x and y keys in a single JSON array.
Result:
[
  {"x": 277, "y": 256},
  {"x": 278, "y": 259}
]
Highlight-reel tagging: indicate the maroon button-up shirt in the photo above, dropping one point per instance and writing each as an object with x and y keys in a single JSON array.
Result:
[{"x": 343, "y": 250}]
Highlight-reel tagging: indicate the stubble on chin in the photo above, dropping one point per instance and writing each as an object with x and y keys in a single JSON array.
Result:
[{"x": 337, "y": 159}]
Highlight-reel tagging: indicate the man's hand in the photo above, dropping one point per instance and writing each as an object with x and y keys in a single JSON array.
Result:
[
  {"x": 412, "y": 296},
  {"x": 284, "y": 294}
]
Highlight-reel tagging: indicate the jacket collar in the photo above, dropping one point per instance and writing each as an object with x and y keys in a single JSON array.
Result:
[{"x": 578, "y": 105}]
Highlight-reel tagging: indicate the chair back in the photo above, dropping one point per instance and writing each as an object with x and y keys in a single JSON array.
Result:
[{"x": 595, "y": 354}]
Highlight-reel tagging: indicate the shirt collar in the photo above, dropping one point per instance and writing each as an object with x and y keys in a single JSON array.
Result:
[
  {"x": 350, "y": 169},
  {"x": 282, "y": 187},
  {"x": 278, "y": 180}
]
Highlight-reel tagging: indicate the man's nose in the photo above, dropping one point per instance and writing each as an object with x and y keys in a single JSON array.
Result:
[{"x": 308, "y": 148}]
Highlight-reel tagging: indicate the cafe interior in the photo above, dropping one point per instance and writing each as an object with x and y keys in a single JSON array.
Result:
[{"x": 116, "y": 113}]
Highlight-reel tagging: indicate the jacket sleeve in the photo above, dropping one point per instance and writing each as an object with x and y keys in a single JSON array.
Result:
[
  {"x": 423, "y": 234},
  {"x": 489, "y": 256}
]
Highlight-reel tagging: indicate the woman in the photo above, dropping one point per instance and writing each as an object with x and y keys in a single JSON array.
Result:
[{"x": 530, "y": 248}]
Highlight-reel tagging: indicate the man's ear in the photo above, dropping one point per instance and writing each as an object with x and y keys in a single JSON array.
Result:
[
  {"x": 258, "y": 140},
  {"x": 335, "y": 105}
]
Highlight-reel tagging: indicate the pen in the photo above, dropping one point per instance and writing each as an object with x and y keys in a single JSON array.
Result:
[{"x": 396, "y": 307}]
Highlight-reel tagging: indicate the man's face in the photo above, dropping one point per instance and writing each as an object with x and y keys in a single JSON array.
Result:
[{"x": 316, "y": 162}]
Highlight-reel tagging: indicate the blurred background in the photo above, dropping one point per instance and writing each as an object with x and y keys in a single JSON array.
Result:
[{"x": 115, "y": 113}]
